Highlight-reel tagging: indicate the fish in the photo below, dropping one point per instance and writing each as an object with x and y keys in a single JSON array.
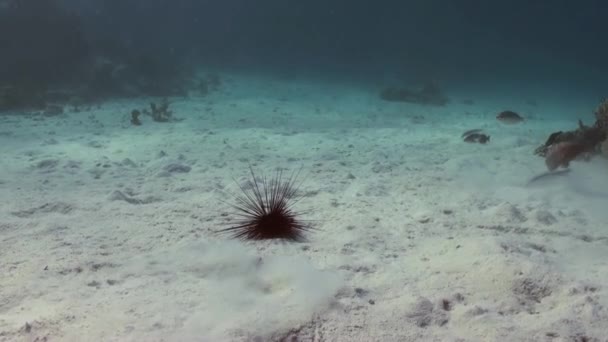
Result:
[
  {"x": 471, "y": 131},
  {"x": 477, "y": 138},
  {"x": 509, "y": 117}
]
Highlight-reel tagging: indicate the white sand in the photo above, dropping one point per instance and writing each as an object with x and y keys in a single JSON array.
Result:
[{"x": 106, "y": 229}]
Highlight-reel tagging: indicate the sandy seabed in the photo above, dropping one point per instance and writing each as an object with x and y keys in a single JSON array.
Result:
[{"x": 107, "y": 230}]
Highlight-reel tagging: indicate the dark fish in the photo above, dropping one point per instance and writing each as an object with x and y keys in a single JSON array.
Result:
[
  {"x": 509, "y": 117},
  {"x": 471, "y": 131},
  {"x": 477, "y": 138}
]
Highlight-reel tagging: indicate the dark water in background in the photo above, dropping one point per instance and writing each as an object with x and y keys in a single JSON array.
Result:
[{"x": 554, "y": 43}]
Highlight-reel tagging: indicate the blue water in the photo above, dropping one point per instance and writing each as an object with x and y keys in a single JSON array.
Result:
[{"x": 109, "y": 208}]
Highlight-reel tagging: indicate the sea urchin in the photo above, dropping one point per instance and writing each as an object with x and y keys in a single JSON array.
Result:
[{"x": 265, "y": 211}]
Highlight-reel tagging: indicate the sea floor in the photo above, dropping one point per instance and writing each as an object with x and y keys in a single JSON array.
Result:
[{"x": 108, "y": 231}]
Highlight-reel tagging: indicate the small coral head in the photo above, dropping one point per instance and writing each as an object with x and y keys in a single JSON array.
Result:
[
  {"x": 561, "y": 154},
  {"x": 265, "y": 211}
]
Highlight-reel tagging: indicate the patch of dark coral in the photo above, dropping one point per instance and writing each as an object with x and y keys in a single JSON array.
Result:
[
  {"x": 430, "y": 94},
  {"x": 601, "y": 115},
  {"x": 65, "y": 60},
  {"x": 158, "y": 112},
  {"x": 161, "y": 112}
]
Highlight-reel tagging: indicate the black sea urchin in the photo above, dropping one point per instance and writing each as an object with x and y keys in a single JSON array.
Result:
[{"x": 265, "y": 209}]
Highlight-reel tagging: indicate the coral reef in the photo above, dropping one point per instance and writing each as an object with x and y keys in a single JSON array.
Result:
[
  {"x": 64, "y": 52},
  {"x": 563, "y": 147},
  {"x": 160, "y": 113},
  {"x": 601, "y": 115}
]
